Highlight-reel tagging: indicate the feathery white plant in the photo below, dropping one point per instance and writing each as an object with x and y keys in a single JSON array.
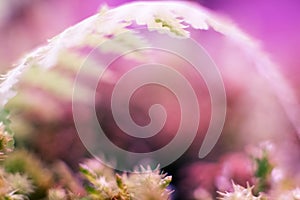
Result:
[{"x": 167, "y": 17}]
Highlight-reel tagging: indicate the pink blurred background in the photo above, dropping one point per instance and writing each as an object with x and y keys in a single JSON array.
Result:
[{"x": 29, "y": 23}]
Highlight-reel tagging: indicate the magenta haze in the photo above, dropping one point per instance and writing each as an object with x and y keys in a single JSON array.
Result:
[{"x": 91, "y": 132}]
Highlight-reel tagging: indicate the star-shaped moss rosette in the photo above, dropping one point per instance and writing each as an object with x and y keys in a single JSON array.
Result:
[
  {"x": 14, "y": 186},
  {"x": 239, "y": 193},
  {"x": 143, "y": 183},
  {"x": 102, "y": 183}
]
